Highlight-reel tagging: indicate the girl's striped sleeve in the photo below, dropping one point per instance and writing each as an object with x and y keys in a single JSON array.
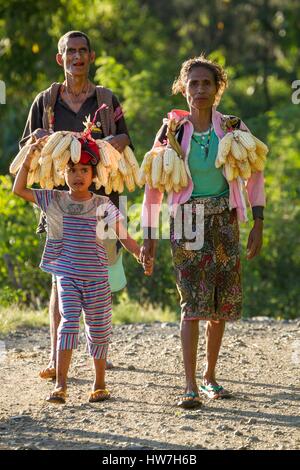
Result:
[{"x": 43, "y": 198}]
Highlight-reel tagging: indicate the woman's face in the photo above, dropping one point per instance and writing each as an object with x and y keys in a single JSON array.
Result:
[{"x": 201, "y": 89}]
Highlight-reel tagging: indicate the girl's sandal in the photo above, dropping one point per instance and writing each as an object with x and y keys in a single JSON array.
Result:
[
  {"x": 99, "y": 395},
  {"x": 57, "y": 397},
  {"x": 48, "y": 373}
]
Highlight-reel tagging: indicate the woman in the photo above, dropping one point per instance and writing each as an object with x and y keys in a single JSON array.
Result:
[{"x": 208, "y": 279}]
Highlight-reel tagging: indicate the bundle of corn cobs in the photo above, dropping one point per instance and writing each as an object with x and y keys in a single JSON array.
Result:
[
  {"x": 50, "y": 159},
  {"x": 241, "y": 153},
  {"x": 163, "y": 167}
]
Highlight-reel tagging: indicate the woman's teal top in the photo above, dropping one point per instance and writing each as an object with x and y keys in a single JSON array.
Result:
[{"x": 208, "y": 180}]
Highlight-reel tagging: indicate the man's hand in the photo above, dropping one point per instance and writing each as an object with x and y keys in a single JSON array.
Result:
[
  {"x": 39, "y": 133},
  {"x": 119, "y": 142},
  {"x": 255, "y": 239}
]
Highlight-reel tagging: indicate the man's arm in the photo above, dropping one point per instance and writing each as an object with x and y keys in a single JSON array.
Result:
[{"x": 34, "y": 123}]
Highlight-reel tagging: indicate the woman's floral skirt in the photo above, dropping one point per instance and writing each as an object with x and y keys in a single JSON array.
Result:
[{"x": 207, "y": 265}]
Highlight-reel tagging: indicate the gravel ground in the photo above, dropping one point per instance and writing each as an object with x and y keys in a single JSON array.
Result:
[{"x": 259, "y": 363}]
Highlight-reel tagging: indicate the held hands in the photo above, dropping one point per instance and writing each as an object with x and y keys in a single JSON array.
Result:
[
  {"x": 147, "y": 256},
  {"x": 255, "y": 239}
]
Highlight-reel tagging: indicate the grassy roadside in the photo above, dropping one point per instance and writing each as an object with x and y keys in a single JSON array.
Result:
[{"x": 14, "y": 318}]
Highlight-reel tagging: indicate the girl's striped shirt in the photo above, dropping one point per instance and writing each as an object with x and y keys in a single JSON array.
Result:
[{"x": 75, "y": 245}]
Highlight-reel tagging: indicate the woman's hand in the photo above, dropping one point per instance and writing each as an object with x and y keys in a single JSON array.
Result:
[
  {"x": 255, "y": 239},
  {"x": 119, "y": 142}
]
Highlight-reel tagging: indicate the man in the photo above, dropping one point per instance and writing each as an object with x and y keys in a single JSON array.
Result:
[{"x": 65, "y": 107}]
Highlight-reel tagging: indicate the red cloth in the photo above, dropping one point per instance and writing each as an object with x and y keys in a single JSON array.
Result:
[{"x": 89, "y": 152}]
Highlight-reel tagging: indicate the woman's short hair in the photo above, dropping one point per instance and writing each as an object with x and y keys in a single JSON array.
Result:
[
  {"x": 218, "y": 72},
  {"x": 72, "y": 34}
]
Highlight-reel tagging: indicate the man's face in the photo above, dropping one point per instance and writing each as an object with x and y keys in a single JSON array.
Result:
[{"x": 76, "y": 57}]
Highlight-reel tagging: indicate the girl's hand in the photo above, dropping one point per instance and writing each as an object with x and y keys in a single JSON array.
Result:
[
  {"x": 36, "y": 146},
  {"x": 255, "y": 239}
]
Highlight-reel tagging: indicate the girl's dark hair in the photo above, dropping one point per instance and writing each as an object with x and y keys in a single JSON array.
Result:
[
  {"x": 72, "y": 34},
  {"x": 218, "y": 72}
]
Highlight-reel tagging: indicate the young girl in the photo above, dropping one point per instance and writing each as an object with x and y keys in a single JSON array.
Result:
[{"x": 75, "y": 254}]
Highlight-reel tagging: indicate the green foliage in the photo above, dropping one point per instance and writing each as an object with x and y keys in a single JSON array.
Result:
[{"x": 20, "y": 251}]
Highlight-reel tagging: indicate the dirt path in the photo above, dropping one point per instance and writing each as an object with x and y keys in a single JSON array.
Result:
[{"x": 259, "y": 363}]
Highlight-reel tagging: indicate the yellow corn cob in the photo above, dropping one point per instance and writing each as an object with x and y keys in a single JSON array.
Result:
[
  {"x": 121, "y": 186},
  {"x": 236, "y": 150},
  {"x": 35, "y": 160},
  {"x": 52, "y": 141},
  {"x": 261, "y": 148},
  {"x": 147, "y": 162},
  {"x": 30, "y": 178},
  {"x": 164, "y": 178},
  {"x": 161, "y": 188},
  {"x": 108, "y": 186},
  {"x": 235, "y": 172},
  {"x": 136, "y": 174},
  {"x": 122, "y": 166},
  {"x": 142, "y": 177},
  {"x": 258, "y": 165},
  {"x": 49, "y": 184},
  {"x": 61, "y": 146},
  {"x": 244, "y": 169},
  {"x": 246, "y": 139},
  {"x": 61, "y": 162},
  {"x": 176, "y": 188},
  {"x": 176, "y": 171},
  {"x": 130, "y": 157},
  {"x": 129, "y": 182},
  {"x": 115, "y": 178},
  {"x": 183, "y": 175},
  {"x": 18, "y": 160},
  {"x": 97, "y": 183},
  {"x": 252, "y": 157},
  {"x": 149, "y": 180},
  {"x": 113, "y": 162},
  {"x": 46, "y": 166},
  {"x": 156, "y": 172},
  {"x": 231, "y": 160},
  {"x": 224, "y": 149},
  {"x": 169, "y": 184},
  {"x": 58, "y": 178},
  {"x": 168, "y": 160},
  {"x": 104, "y": 156},
  {"x": 113, "y": 151},
  {"x": 37, "y": 174},
  {"x": 229, "y": 171},
  {"x": 102, "y": 174},
  {"x": 75, "y": 149}
]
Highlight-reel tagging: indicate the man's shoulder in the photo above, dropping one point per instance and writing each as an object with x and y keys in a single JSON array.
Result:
[{"x": 53, "y": 88}]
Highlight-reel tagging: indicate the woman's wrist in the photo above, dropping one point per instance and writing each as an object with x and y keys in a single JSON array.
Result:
[{"x": 258, "y": 222}]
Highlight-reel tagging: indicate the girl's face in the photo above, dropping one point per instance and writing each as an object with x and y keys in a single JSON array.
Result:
[
  {"x": 79, "y": 177},
  {"x": 200, "y": 90}
]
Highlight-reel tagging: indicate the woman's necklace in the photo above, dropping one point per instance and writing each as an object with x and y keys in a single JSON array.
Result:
[{"x": 204, "y": 146}]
